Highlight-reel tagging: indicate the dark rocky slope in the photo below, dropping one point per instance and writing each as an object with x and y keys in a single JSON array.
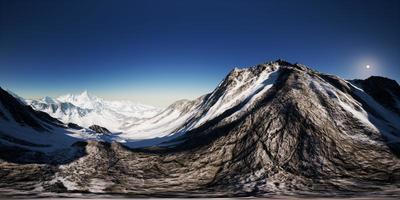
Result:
[
  {"x": 383, "y": 90},
  {"x": 99, "y": 129},
  {"x": 24, "y": 114}
]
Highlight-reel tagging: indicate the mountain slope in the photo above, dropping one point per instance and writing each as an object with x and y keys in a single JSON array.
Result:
[
  {"x": 383, "y": 90},
  {"x": 300, "y": 133},
  {"x": 240, "y": 87},
  {"x": 23, "y": 129}
]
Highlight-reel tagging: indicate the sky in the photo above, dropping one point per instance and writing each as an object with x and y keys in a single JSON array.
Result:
[{"x": 156, "y": 52}]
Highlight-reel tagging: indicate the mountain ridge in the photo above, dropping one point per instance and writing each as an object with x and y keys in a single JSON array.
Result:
[
  {"x": 87, "y": 110},
  {"x": 291, "y": 130}
]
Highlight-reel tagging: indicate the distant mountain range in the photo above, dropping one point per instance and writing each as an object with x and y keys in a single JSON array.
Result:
[
  {"x": 274, "y": 128},
  {"x": 86, "y": 110}
]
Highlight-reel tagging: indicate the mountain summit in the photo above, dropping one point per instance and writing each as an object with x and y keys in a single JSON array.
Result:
[
  {"x": 275, "y": 128},
  {"x": 82, "y": 100}
]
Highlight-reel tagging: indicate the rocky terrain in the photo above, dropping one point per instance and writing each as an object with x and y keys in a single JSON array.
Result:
[
  {"x": 291, "y": 131},
  {"x": 99, "y": 129}
]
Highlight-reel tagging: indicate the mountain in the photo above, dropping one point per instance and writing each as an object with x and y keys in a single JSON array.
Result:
[
  {"x": 24, "y": 131},
  {"x": 275, "y": 128},
  {"x": 241, "y": 86},
  {"x": 87, "y": 110}
]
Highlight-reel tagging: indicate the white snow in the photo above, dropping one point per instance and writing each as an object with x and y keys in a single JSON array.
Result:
[
  {"x": 245, "y": 86},
  {"x": 253, "y": 97},
  {"x": 86, "y": 110},
  {"x": 159, "y": 126},
  {"x": 162, "y": 127}
]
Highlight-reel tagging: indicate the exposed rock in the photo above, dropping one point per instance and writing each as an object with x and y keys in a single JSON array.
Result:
[
  {"x": 21, "y": 113},
  {"x": 74, "y": 126},
  {"x": 383, "y": 90},
  {"x": 99, "y": 129},
  {"x": 57, "y": 187}
]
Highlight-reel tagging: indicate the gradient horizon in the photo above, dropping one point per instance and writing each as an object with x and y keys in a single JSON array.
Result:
[{"x": 157, "y": 52}]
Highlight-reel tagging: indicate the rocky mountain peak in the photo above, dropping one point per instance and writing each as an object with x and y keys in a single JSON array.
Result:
[
  {"x": 243, "y": 75},
  {"x": 85, "y": 95},
  {"x": 275, "y": 127}
]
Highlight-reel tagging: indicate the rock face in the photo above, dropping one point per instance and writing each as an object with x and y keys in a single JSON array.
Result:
[
  {"x": 99, "y": 129},
  {"x": 308, "y": 133},
  {"x": 74, "y": 126},
  {"x": 383, "y": 90}
]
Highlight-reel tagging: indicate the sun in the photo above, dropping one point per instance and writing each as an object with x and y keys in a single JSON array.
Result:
[{"x": 367, "y": 66}]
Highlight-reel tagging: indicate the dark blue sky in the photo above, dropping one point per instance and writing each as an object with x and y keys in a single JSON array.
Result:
[{"x": 158, "y": 51}]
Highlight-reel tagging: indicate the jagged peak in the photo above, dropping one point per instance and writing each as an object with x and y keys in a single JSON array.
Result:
[
  {"x": 281, "y": 62},
  {"x": 48, "y": 100},
  {"x": 238, "y": 74},
  {"x": 84, "y": 93},
  {"x": 264, "y": 66}
]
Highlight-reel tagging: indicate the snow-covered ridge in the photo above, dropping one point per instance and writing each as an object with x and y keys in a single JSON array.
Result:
[
  {"x": 85, "y": 110},
  {"x": 240, "y": 86}
]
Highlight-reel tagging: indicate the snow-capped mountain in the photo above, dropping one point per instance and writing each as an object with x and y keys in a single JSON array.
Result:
[
  {"x": 86, "y": 110},
  {"x": 241, "y": 86},
  {"x": 275, "y": 128},
  {"x": 23, "y": 128}
]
